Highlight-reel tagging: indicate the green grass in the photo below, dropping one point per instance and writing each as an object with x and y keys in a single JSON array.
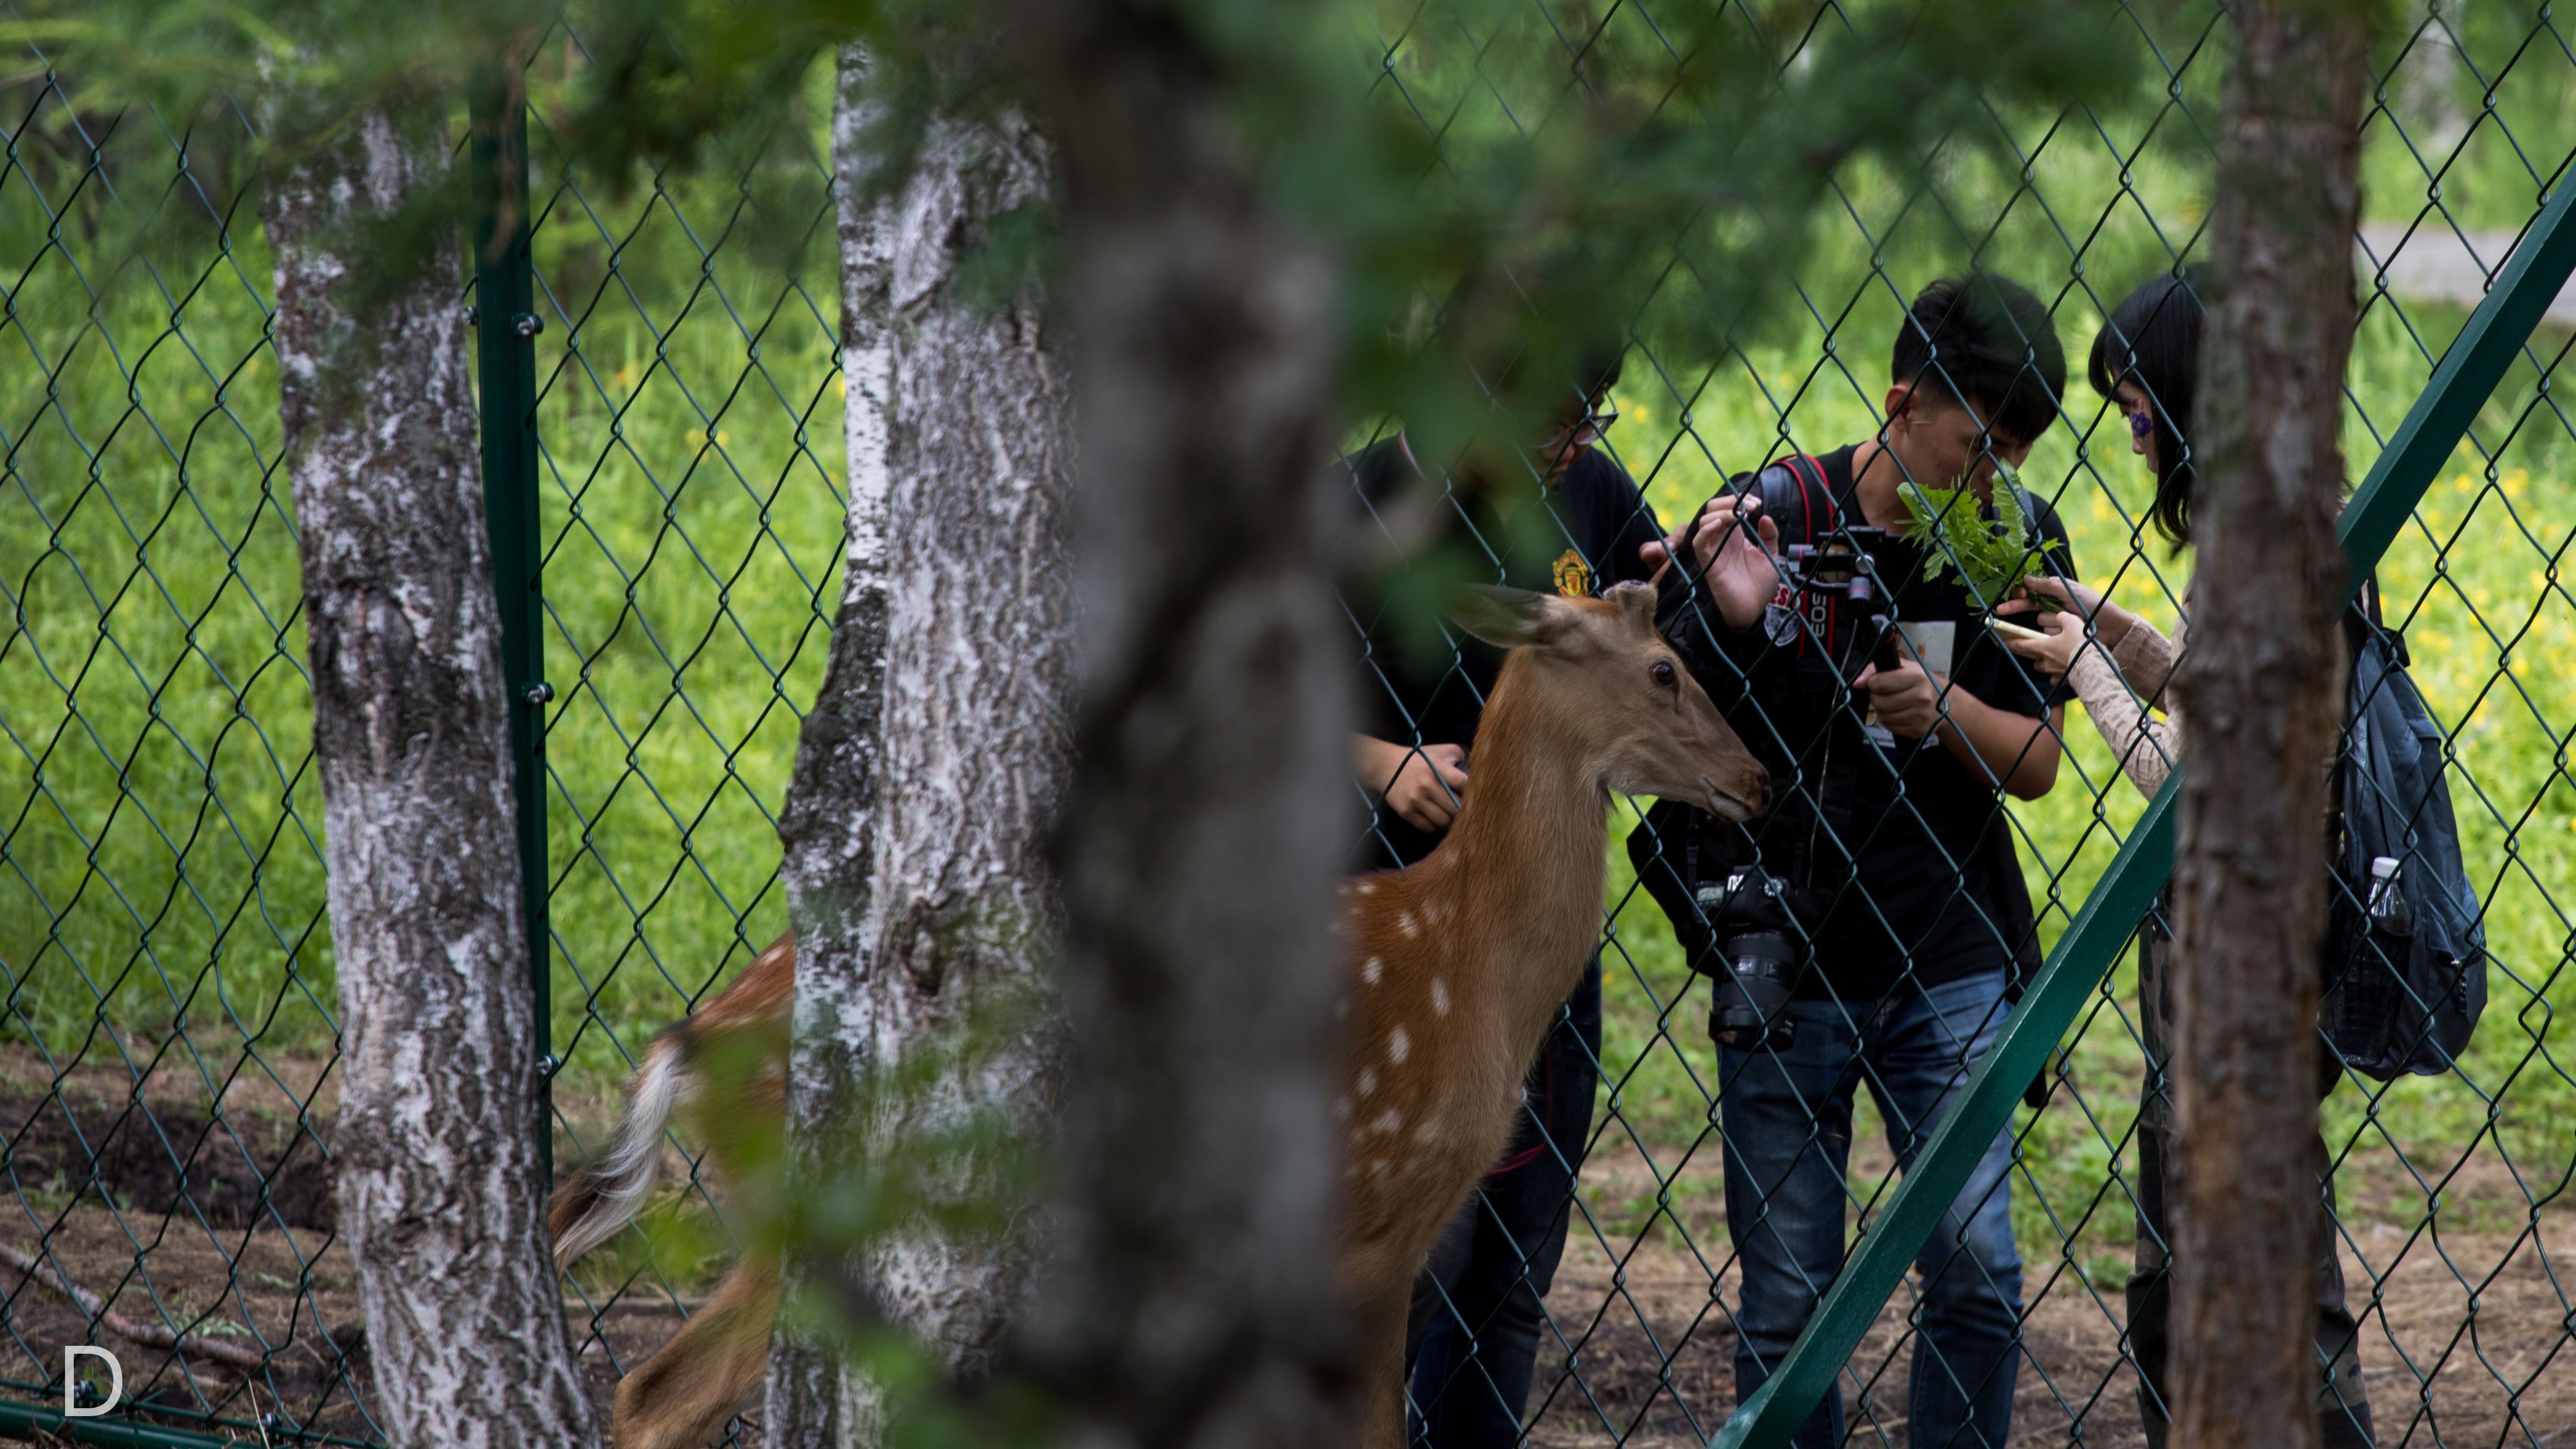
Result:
[
  {"x": 2477, "y": 583},
  {"x": 159, "y": 823}
]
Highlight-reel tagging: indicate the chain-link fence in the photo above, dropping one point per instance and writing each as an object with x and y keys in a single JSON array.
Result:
[
  {"x": 167, "y": 1058},
  {"x": 167, "y": 1053},
  {"x": 1713, "y": 1191}
]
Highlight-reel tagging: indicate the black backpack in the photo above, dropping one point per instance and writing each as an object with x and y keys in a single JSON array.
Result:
[{"x": 2406, "y": 957}]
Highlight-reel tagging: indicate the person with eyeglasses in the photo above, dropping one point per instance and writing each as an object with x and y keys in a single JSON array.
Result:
[
  {"x": 1545, "y": 512},
  {"x": 2146, "y": 362}
]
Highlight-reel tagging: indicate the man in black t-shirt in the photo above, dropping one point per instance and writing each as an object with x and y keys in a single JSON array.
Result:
[
  {"x": 1889, "y": 829},
  {"x": 1558, "y": 516}
]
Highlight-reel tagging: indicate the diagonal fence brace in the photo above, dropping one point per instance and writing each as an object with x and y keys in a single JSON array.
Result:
[{"x": 2470, "y": 369}]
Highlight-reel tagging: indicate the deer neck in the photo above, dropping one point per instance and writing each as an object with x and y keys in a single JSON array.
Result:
[{"x": 1527, "y": 856}]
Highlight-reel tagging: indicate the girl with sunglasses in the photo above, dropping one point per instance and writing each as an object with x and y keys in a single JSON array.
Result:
[{"x": 2146, "y": 361}]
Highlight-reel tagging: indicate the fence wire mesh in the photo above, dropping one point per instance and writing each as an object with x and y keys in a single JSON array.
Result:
[
  {"x": 2449, "y": 1214},
  {"x": 167, "y": 1057},
  {"x": 167, "y": 1052},
  {"x": 689, "y": 418}
]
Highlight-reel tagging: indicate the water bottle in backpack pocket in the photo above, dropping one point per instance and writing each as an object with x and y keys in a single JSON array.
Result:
[{"x": 2406, "y": 962}]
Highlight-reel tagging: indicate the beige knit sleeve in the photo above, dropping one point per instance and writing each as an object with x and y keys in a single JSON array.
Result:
[
  {"x": 2145, "y": 747},
  {"x": 2146, "y": 659}
]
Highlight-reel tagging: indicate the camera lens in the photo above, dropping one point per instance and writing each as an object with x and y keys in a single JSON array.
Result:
[{"x": 1753, "y": 998}]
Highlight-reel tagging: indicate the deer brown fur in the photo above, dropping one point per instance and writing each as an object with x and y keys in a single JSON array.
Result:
[
  {"x": 1453, "y": 971},
  {"x": 1456, "y": 968},
  {"x": 724, "y": 1068}
]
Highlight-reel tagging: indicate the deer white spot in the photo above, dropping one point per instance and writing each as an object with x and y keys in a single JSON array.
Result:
[
  {"x": 1398, "y": 1045},
  {"x": 1368, "y": 1080},
  {"x": 1371, "y": 970},
  {"x": 1390, "y": 1121},
  {"x": 1427, "y": 1130},
  {"x": 1404, "y": 923},
  {"x": 1368, "y": 887},
  {"x": 1439, "y": 996}
]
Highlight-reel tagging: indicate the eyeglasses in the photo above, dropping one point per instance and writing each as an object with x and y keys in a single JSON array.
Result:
[{"x": 1595, "y": 422}]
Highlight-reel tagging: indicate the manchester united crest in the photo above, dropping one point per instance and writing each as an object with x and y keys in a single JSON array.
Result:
[{"x": 1573, "y": 575}]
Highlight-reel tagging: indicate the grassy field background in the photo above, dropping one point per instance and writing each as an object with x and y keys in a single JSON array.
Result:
[{"x": 161, "y": 891}]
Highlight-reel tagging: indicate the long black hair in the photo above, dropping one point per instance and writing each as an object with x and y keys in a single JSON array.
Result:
[{"x": 2153, "y": 340}]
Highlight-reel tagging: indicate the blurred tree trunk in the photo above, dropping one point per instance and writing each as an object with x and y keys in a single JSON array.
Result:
[
  {"x": 442, "y": 1195},
  {"x": 919, "y": 820},
  {"x": 1191, "y": 1300},
  {"x": 2263, "y": 688}
]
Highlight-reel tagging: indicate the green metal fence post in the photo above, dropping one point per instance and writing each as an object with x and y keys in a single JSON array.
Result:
[
  {"x": 2475, "y": 362},
  {"x": 506, "y": 327},
  {"x": 27, "y": 1421}
]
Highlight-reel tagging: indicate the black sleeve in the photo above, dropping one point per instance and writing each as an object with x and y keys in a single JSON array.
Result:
[
  {"x": 1392, "y": 688},
  {"x": 2061, "y": 561},
  {"x": 2052, "y": 538},
  {"x": 1635, "y": 525},
  {"x": 2015, "y": 685}
]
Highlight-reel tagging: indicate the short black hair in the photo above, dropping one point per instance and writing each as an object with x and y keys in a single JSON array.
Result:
[
  {"x": 2153, "y": 340},
  {"x": 1553, "y": 380},
  {"x": 1985, "y": 340}
]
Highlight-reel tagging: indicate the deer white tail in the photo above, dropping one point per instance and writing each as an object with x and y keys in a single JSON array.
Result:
[{"x": 598, "y": 1200}]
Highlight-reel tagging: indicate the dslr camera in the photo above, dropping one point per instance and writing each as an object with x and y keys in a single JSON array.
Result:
[
  {"x": 1759, "y": 922},
  {"x": 1837, "y": 618}
]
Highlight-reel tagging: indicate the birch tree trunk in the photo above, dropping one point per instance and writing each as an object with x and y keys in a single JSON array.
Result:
[
  {"x": 944, "y": 986},
  {"x": 1192, "y": 1297},
  {"x": 2263, "y": 686},
  {"x": 829, "y": 824},
  {"x": 442, "y": 1195}
]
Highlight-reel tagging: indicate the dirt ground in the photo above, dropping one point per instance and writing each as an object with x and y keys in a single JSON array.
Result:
[
  {"x": 176, "y": 1230},
  {"x": 2469, "y": 1341}
]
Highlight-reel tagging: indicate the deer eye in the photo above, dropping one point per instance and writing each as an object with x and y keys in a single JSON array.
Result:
[{"x": 1663, "y": 672}]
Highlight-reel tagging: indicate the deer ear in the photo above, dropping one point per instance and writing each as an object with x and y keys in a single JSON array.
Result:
[{"x": 1509, "y": 618}]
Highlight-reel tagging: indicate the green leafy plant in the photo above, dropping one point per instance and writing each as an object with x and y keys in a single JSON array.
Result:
[{"x": 1991, "y": 555}]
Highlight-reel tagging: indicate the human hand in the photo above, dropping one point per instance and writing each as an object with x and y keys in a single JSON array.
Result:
[
  {"x": 1906, "y": 699},
  {"x": 2075, "y": 606},
  {"x": 1734, "y": 549},
  {"x": 2057, "y": 594},
  {"x": 1429, "y": 787},
  {"x": 2042, "y": 592},
  {"x": 2053, "y": 651}
]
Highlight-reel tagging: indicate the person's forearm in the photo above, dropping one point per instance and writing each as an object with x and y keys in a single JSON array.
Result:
[
  {"x": 1375, "y": 761},
  {"x": 2015, "y": 752}
]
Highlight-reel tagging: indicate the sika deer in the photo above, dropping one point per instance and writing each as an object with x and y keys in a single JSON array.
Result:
[
  {"x": 1454, "y": 970},
  {"x": 1457, "y": 966}
]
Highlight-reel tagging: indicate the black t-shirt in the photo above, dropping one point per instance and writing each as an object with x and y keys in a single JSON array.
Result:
[
  {"x": 1898, "y": 834},
  {"x": 1423, "y": 680}
]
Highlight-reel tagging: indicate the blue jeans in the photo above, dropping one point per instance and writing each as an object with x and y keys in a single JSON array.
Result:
[
  {"x": 1788, "y": 1124},
  {"x": 1472, "y": 1343}
]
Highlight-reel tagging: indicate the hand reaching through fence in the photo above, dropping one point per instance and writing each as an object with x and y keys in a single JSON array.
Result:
[
  {"x": 1736, "y": 562},
  {"x": 1424, "y": 786}
]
